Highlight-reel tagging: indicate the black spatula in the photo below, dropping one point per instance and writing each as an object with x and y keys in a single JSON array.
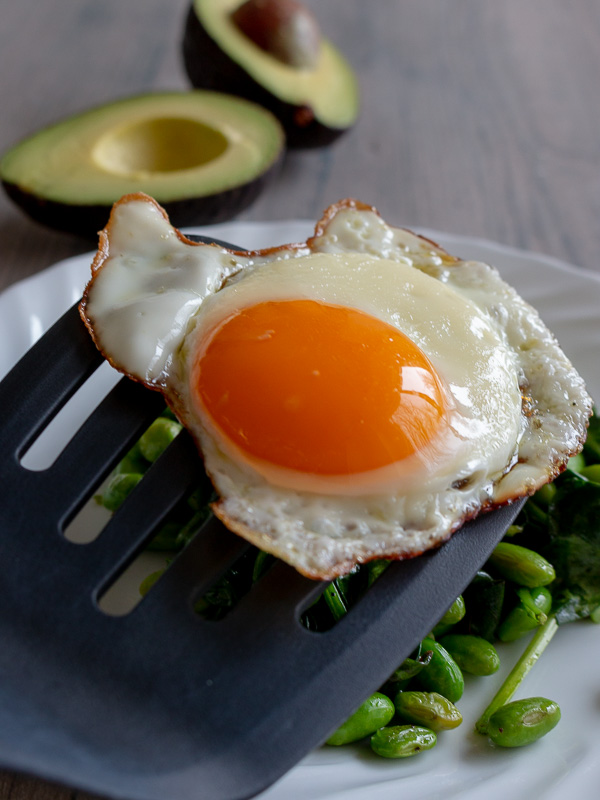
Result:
[{"x": 161, "y": 703}]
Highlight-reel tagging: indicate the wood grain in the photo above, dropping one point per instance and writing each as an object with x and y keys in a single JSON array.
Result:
[{"x": 478, "y": 117}]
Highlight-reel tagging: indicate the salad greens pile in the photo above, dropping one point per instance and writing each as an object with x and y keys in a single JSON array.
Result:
[{"x": 544, "y": 574}]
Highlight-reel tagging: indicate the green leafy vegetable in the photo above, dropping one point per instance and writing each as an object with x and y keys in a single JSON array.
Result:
[
  {"x": 591, "y": 449},
  {"x": 574, "y": 547}
]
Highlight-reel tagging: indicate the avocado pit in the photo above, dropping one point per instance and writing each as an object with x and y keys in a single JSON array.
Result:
[
  {"x": 272, "y": 52},
  {"x": 284, "y": 28}
]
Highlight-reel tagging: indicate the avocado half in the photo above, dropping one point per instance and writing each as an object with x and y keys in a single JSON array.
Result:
[
  {"x": 314, "y": 104},
  {"x": 204, "y": 156}
]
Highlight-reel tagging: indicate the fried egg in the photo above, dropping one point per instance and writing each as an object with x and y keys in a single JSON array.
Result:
[{"x": 356, "y": 396}]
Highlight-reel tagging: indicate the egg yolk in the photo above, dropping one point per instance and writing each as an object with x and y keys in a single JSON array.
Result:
[{"x": 317, "y": 388}]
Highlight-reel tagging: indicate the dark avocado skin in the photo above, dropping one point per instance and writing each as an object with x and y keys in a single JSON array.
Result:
[
  {"x": 87, "y": 220},
  {"x": 208, "y": 67}
]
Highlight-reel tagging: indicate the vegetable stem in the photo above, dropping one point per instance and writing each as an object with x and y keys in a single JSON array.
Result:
[
  {"x": 532, "y": 652},
  {"x": 335, "y": 601}
]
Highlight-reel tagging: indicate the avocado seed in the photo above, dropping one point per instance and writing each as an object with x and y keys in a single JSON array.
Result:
[{"x": 283, "y": 28}]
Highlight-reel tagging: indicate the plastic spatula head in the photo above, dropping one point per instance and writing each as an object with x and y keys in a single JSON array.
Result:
[{"x": 161, "y": 702}]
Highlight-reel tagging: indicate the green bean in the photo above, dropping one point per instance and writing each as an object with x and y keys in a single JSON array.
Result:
[
  {"x": 523, "y": 721},
  {"x": 402, "y": 741},
  {"x": 442, "y": 674},
  {"x": 376, "y": 711},
  {"x": 473, "y": 654},
  {"x": 155, "y": 440},
  {"x": 429, "y": 709},
  {"x": 119, "y": 487},
  {"x": 521, "y": 565}
]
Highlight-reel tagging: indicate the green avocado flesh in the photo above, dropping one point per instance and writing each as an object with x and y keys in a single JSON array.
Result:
[
  {"x": 203, "y": 153},
  {"x": 218, "y": 55}
]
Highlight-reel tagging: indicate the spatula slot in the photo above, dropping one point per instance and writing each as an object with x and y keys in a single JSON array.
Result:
[
  {"x": 45, "y": 378},
  {"x": 228, "y": 590},
  {"x": 50, "y": 443},
  {"x": 207, "y": 557},
  {"x": 88, "y": 523},
  {"x": 135, "y": 523}
]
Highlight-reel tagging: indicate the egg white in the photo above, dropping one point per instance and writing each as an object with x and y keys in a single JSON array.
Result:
[{"x": 517, "y": 407}]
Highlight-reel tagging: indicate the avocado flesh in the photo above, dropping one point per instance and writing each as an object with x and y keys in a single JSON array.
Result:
[
  {"x": 206, "y": 154},
  {"x": 218, "y": 55}
]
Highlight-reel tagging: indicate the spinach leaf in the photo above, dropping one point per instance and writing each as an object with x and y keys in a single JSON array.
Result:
[
  {"x": 591, "y": 449},
  {"x": 574, "y": 547}
]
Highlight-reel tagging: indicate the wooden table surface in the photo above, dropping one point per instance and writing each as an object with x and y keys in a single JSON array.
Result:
[{"x": 478, "y": 117}]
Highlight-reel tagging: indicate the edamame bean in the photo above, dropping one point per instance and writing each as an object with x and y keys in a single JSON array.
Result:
[
  {"x": 155, "y": 440},
  {"x": 442, "y": 674},
  {"x": 166, "y": 538},
  {"x": 456, "y": 611},
  {"x": 119, "y": 487},
  {"x": 473, "y": 654},
  {"x": 132, "y": 461},
  {"x": 402, "y": 741},
  {"x": 149, "y": 581},
  {"x": 538, "y": 599},
  {"x": 484, "y": 600},
  {"x": 410, "y": 667},
  {"x": 532, "y": 611},
  {"x": 521, "y": 565},
  {"x": 376, "y": 711},
  {"x": 545, "y": 494},
  {"x": 591, "y": 473},
  {"x": 576, "y": 463},
  {"x": 429, "y": 709},
  {"x": 517, "y": 623},
  {"x": 523, "y": 721},
  {"x": 454, "y": 614}
]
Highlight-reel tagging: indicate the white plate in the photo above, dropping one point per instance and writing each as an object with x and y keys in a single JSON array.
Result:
[{"x": 462, "y": 765}]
